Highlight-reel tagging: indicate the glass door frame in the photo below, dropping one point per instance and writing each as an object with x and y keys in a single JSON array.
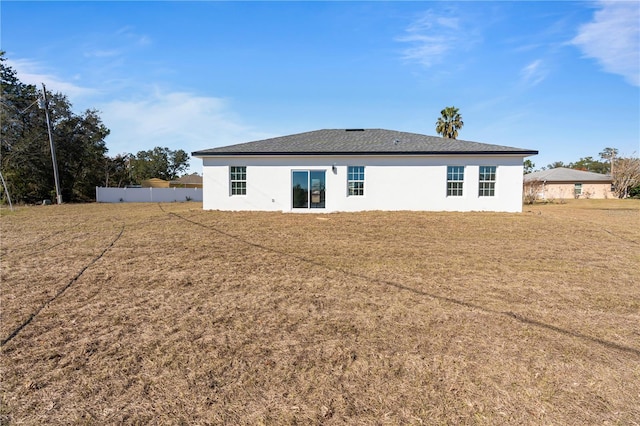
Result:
[{"x": 308, "y": 189}]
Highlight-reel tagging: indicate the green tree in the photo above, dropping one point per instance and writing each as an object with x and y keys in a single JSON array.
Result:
[
  {"x": 23, "y": 133},
  {"x": 528, "y": 166},
  {"x": 556, "y": 164},
  {"x": 449, "y": 122},
  {"x": 25, "y": 155},
  {"x": 81, "y": 153},
  {"x": 117, "y": 171},
  {"x": 162, "y": 163},
  {"x": 609, "y": 154},
  {"x": 178, "y": 163},
  {"x": 588, "y": 164}
]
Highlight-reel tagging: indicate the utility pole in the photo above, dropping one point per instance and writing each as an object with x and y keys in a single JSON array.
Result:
[
  {"x": 53, "y": 148},
  {"x": 6, "y": 190}
]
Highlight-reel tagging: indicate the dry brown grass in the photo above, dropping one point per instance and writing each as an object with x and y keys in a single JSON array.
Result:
[{"x": 198, "y": 317}]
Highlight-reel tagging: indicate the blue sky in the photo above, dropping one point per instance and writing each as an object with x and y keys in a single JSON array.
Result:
[{"x": 559, "y": 77}]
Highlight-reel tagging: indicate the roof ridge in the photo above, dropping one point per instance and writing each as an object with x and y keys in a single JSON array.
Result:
[{"x": 567, "y": 174}]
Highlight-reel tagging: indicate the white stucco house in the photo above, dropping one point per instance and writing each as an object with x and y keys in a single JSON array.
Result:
[{"x": 362, "y": 169}]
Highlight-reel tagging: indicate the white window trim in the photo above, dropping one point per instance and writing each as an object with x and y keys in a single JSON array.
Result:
[
  {"x": 364, "y": 177},
  {"x": 462, "y": 189},
  {"x": 494, "y": 181},
  {"x": 232, "y": 181}
]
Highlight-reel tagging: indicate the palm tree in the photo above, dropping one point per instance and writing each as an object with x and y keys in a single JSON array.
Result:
[{"x": 449, "y": 123}]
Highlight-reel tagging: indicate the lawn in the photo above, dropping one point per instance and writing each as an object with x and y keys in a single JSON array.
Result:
[{"x": 167, "y": 314}]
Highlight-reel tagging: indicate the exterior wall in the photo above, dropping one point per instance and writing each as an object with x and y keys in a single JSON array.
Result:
[
  {"x": 147, "y": 195},
  {"x": 391, "y": 183},
  {"x": 563, "y": 190}
]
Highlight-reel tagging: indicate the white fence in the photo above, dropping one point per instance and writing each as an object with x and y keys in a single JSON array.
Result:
[{"x": 147, "y": 195}]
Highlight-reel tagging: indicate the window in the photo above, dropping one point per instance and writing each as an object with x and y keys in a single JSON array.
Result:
[
  {"x": 238, "y": 179},
  {"x": 355, "y": 180},
  {"x": 577, "y": 189},
  {"x": 487, "y": 181},
  {"x": 455, "y": 179}
]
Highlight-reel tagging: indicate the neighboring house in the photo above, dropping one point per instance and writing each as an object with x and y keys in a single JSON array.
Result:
[
  {"x": 560, "y": 183},
  {"x": 155, "y": 183},
  {"x": 362, "y": 169},
  {"x": 188, "y": 181}
]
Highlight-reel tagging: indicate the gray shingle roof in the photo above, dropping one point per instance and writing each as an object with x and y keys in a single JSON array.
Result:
[
  {"x": 189, "y": 179},
  {"x": 562, "y": 174},
  {"x": 360, "y": 141}
]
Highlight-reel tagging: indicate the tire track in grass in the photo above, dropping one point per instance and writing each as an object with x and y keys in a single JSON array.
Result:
[
  {"x": 595, "y": 225},
  {"x": 512, "y": 315},
  {"x": 621, "y": 237},
  {"x": 60, "y": 292},
  {"x": 45, "y": 249},
  {"x": 31, "y": 248},
  {"x": 11, "y": 250}
]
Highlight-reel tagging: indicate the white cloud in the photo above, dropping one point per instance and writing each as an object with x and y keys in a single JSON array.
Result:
[
  {"x": 114, "y": 49},
  {"x": 129, "y": 33},
  {"x": 533, "y": 73},
  {"x": 104, "y": 53},
  {"x": 433, "y": 36},
  {"x": 146, "y": 119},
  {"x": 177, "y": 120},
  {"x": 613, "y": 39},
  {"x": 30, "y": 72}
]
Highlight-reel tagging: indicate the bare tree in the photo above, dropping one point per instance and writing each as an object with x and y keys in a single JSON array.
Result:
[
  {"x": 627, "y": 176},
  {"x": 532, "y": 190}
]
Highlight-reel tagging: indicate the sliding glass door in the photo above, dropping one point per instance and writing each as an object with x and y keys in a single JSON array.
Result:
[
  {"x": 308, "y": 189},
  {"x": 300, "y": 190}
]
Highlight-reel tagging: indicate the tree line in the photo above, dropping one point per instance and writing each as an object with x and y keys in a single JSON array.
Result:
[
  {"x": 25, "y": 157},
  {"x": 587, "y": 164}
]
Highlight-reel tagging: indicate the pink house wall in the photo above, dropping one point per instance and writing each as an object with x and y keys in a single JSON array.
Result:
[{"x": 560, "y": 190}]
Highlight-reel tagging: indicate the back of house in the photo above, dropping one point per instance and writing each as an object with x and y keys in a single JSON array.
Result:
[{"x": 363, "y": 169}]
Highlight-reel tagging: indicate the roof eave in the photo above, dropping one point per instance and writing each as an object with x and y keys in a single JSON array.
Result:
[
  {"x": 552, "y": 181},
  {"x": 203, "y": 154}
]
